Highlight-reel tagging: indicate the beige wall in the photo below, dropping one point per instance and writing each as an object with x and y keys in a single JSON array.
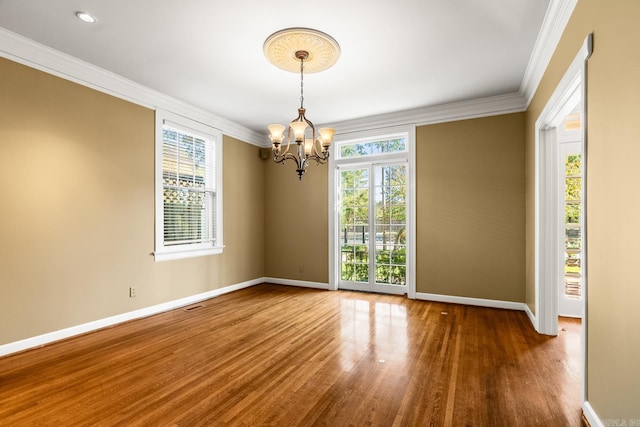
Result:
[
  {"x": 613, "y": 317},
  {"x": 470, "y": 208},
  {"x": 77, "y": 173},
  {"x": 296, "y": 226}
]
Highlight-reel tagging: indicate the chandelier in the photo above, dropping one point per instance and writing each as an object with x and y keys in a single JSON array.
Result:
[{"x": 301, "y": 49}]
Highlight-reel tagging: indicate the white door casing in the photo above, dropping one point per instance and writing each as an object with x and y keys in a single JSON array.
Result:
[{"x": 572, "y": 88}]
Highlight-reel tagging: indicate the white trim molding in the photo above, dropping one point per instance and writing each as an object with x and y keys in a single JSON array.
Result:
[
  {"x": 546, "y": 199},
  {"x": 555, "y": 21},
  {"x": 51, "y": 337},
  {"x": 463, "y": 110},
  {"x": 591, "y": 416},
  {"x": 300, "y": 283},
  {"x": 532, "y": 317},
  {"x": 35, "y": 55},
  {"x": 479, "y": 302}
]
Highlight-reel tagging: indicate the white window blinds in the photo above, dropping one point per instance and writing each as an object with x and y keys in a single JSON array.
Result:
[{"x": 188, "y": 182}]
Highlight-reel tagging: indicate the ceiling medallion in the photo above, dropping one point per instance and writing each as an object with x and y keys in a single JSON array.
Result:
[{"x": 280, "y": 49}]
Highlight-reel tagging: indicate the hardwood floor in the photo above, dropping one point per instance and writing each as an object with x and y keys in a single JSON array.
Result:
[{"x": 285, "y": 356}]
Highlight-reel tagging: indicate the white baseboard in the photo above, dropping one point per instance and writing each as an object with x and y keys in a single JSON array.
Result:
[
  {"x": 508, "y": 305},
  {"x": 532, "y": 317},
  {"x": 301, "y": 283},
  {"x": 591, "y": 416},
  {"x": 50, "y": 337}
]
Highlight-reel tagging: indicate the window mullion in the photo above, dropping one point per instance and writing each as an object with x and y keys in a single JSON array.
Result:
[{"x": 372, "y": 225}]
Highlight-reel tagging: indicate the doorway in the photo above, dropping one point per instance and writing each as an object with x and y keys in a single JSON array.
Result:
[
  {"x": 570, "y": 215},
  {"x": 549, "y": 247},
  {"x": 373, "y": 227},
  {"x": 372, "y": 211},
  {"x": 571, "y": 91}
]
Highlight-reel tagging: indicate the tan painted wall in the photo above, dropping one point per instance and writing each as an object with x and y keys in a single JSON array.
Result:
[
  {"x": 613, "y": 317},
  {"x": 470, "y": 203},
  {"x": 470, "y": 193},
  {"x": 296, "y": 230},
  {"x": 77, "y": 203}
]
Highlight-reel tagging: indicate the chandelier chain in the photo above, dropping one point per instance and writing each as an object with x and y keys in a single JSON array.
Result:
[{"x": 301, "y": 82}]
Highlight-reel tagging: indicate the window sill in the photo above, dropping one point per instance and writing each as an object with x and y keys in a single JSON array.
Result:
[{"x": 181, "y": 253}]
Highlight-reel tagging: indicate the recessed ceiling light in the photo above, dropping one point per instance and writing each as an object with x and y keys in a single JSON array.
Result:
[{"x": 86, "y": 17}]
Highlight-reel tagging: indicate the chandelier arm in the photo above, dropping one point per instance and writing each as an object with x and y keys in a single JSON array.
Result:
[
  {"x": 319, "y": 154},
  {"x": 284, "y": 157},
  {"x": 319, "y": 159},
  {"x": 286, "y": 149}
]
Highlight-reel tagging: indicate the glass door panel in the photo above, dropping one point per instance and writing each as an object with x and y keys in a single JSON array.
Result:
[
  {"x": 373, "y": 225},
  {"x": 354, "y": 223},
  {"x": 570, "y": 298},
  {"x": 391, "y": 224}
]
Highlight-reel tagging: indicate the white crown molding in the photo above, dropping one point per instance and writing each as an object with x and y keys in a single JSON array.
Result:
[
  {"x": 463, "y": 110},
  {"x": 44, "y": 58},
  {"x": 555, "y": 21},
  {"x": 35, "y": 55}
]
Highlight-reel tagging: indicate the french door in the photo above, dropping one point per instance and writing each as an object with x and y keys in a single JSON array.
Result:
[{"x": 372, "y": 226}]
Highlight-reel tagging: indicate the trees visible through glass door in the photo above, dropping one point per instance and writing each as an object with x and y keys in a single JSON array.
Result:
[
  {"x": 373, "y": 227},
  {"x": 571, "y": 290}
]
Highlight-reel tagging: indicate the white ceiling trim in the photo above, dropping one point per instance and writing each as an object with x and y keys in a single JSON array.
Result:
[
  {"x": 463, "y": 110},
  {"x": 555, "y": 21},
  {"x": 28, "y": 52},
  {"x": 36, "y": 55}
]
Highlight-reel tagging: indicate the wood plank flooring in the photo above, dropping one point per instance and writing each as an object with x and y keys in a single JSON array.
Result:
[{"x": 284, "y": 356}]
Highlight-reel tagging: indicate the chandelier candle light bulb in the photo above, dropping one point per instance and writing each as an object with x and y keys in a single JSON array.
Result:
[{"x": 291, "y": 49}]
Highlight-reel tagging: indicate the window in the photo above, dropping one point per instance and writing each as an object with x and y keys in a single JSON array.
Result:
[
  {"x": 188, "y": 188},
  {"x": 365, "y": 148}
]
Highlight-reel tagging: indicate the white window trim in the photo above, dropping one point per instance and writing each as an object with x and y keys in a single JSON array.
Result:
[
  {"x": 410, "y": 156},
  {"x": 167, "y": 253}
]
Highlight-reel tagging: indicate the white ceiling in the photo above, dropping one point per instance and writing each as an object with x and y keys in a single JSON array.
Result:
[{"x": 396, "y": 55}]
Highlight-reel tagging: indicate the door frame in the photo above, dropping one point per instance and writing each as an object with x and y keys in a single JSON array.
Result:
[
  {"x": 572, "y": 86},
  {"x": 333, "y": 232}
]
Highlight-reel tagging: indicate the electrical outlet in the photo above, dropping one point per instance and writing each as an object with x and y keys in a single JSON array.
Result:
[{"x": 133, "y": 292}]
